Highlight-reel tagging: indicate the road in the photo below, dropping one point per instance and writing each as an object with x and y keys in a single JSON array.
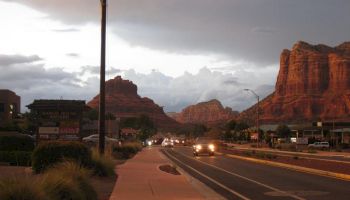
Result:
[{"x": 238, "y": 179}]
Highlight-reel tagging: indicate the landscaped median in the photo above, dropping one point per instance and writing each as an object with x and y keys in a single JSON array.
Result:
[{"x": 334, "y": 169}]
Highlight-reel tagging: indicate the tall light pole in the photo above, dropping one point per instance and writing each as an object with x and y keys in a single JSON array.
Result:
[
  {"x": 257, "y": 113},
  {"x": 102, "y": 127}
]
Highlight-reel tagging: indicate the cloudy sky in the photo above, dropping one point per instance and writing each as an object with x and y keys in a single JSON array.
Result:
[{"x": 178, "y": 52}]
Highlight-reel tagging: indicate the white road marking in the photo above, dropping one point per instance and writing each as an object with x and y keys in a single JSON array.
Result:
[
  {"x": 248, "y": 179},
  {"x": 212, "y": 180}
]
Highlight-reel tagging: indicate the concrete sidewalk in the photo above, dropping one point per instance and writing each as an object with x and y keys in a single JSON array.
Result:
[{"x": 140, "y": 178}]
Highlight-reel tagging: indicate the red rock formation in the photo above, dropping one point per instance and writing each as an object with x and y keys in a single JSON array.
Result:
[
  {"x": 123, "y": 101},
  {"x": 313, "y": 84},
  {"x": 208, "y": 113}
]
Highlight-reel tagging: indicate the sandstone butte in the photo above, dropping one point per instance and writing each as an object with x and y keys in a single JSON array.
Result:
[
  {"x": 209, "y": 113},
  {"x": 123, "y": 101},
  {"x": 313, "y": 84}
]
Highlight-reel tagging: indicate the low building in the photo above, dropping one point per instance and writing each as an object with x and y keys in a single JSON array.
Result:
[
  {"x": 10, "y": 106},
  {"x": 58, "y": 119}
]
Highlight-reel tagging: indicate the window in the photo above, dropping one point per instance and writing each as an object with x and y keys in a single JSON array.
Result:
[{"x": 2, "y": 107}]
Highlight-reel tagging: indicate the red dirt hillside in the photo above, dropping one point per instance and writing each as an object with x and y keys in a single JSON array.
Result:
[
  {"x": 313, "y": 84},
  {"x": 123, "y": 101}
]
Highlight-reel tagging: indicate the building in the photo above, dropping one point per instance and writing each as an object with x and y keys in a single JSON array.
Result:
[
  {"x": 58, "y": 119},
  {"x": 10, "y": 106}
]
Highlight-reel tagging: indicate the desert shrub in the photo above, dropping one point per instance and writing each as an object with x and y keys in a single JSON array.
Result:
[
  {"x": 58, "y": 187},
  {"x": 17, "y": 158},
  {"x": 102, "y": 165},
  {"x": 311, "y": 150},
  {"x": 247, "y": 153},
  {"x": 127, "y": 150},
  {"x": 79, "y": 175},
  {"x": 50, "y": 153},
  {"x": 23, "y": 188},
  {"x": 16, "y": 142},
  {"x": 260, "y": 155},
  {"x": 271, "y": 156}
]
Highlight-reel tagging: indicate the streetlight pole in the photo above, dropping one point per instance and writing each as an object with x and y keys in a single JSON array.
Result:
[
  {"x": 257, "y": 113},
  {"x": 102, "y": 78}
]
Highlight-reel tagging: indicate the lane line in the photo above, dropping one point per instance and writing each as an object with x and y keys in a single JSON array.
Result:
[
  {"x": 306, "y": 170},
  {"x": 245, "y": 178},
  {"x": 207, "y": 177}
]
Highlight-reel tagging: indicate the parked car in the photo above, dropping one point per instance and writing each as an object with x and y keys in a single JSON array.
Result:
[
  {"x": 204, "y": 145},
  {"x": 319, "y": 145},
  {"x": 167, "y": 143},
  {"x": 93, "y": 139}
]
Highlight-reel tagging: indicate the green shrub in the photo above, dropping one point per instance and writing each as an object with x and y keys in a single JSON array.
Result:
[
  {"x": 50, "y": 153},
  {"x": 79, "y": 174},
  {"x": 102, "y": 165},
  {"x": 17, "y": 158},
  {"x": 23, "y": 188},
  {"x": 16, "y": 142}
]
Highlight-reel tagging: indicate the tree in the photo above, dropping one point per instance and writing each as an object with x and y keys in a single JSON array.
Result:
[
  {"x": 240, "y": 126},
  {"x": 231, "y": 125},
  {"x": 283, "y": 131}
]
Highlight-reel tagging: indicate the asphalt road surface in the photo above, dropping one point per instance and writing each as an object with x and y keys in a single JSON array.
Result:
[{"x": 238, "y": 179}]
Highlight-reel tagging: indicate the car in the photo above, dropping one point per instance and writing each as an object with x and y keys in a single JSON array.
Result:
[
  {"x": 204, "y": 145},
  {"x": 319, "y": 145},
  {"x": 93, "y": 139},
  {"x": 167, "y": 143}
]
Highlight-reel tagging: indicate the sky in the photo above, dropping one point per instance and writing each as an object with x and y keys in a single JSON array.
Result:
[{"x": 178, "y": 52}]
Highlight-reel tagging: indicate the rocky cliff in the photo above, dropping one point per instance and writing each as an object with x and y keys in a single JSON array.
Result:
[
  {"x": 208, "y": 113},
  {"x": 123, "y": 101},
  {"x": 313, "y": 84}
]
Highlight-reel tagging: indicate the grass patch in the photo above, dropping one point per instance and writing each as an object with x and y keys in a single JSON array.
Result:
[
  {"x": 23, "y": 188},
  {"x": 102, "y": 165}
]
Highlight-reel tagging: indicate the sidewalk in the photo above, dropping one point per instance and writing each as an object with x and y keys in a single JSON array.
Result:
[{"x": 140, "y": 178}]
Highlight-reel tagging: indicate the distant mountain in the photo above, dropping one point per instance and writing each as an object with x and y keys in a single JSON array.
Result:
[
  {"x": 313, "y": 84},
  {"x": 208, "y": 113},
  {"x": 123, "y": 101}
]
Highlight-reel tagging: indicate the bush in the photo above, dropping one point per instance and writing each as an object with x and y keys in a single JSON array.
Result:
[
  {"x": 58, "y": 187},
  {"x": 17, "y": 158},
  {"x": 49, "y": 153},
  {"x": 102, "y": 165},
  {"x": 16, "y": 142},
  {"x": 79, "y": 175},
  {"x": 22, "y": 188},
  {"x": 127, "y": 150}
]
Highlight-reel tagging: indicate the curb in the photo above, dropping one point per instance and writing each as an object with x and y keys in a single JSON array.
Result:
[{"x": 341, "y": 176}]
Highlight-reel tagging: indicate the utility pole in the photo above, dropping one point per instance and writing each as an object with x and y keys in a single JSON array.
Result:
[
  {"x": 257, "y": 113},
  {"x": 102, "y": 115}
]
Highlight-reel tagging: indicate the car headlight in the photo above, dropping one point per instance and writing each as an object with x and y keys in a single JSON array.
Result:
[
  {"x": 198, "y": 146},
  {"x": 149, "y": 143},
  {"x": 211, "y": 147}
]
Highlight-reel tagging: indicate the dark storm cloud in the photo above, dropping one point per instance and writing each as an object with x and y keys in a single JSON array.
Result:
[
  {"x": 33, "y": 81},
  {"x": 252, "y": 30},
  {"x": 7, "y": 60}
]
